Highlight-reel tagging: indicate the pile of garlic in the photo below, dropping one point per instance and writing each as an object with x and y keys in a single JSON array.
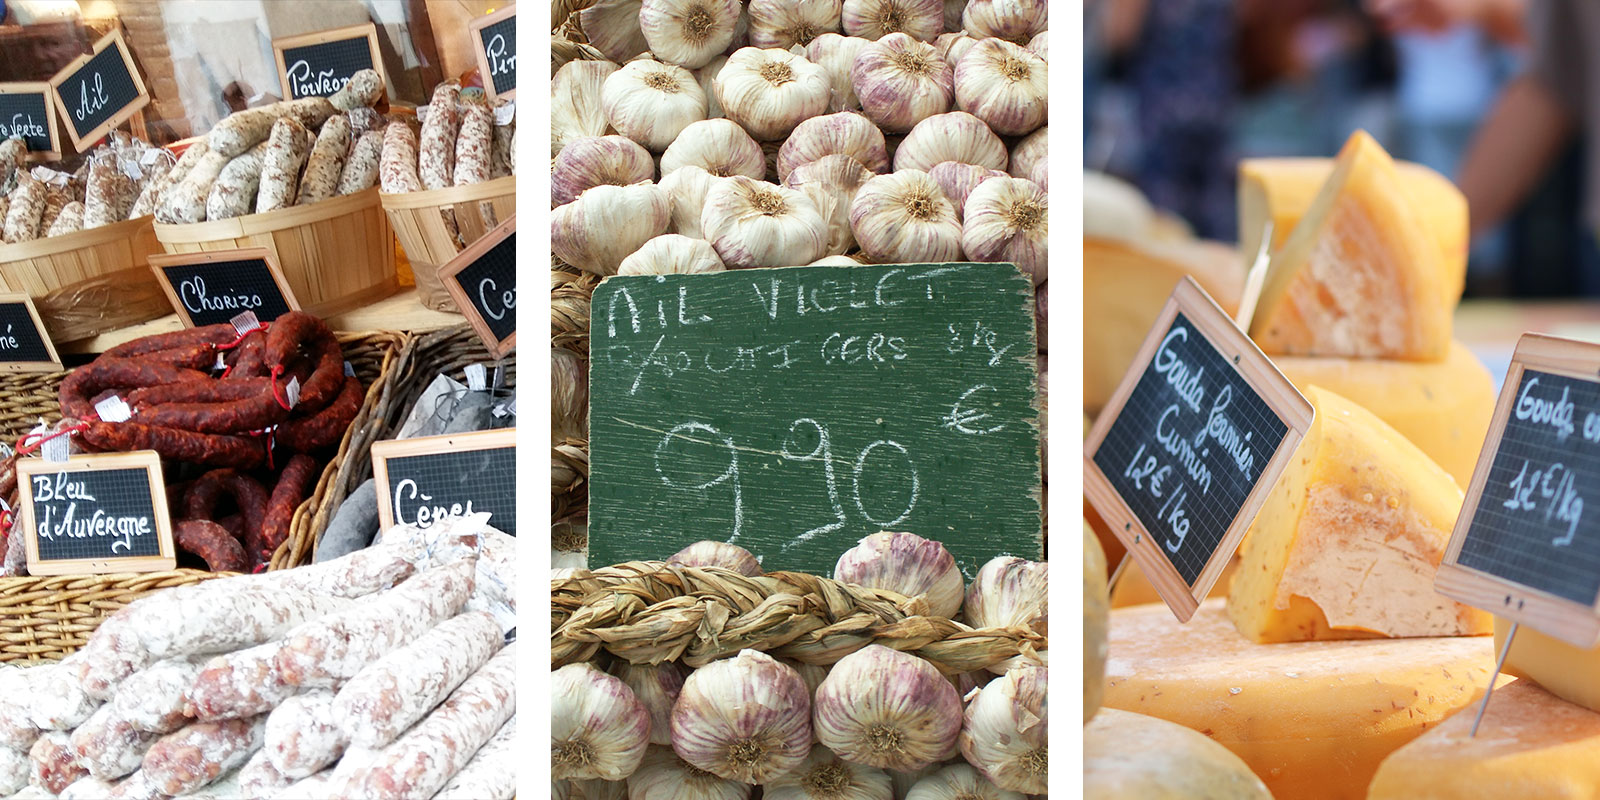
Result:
[
  {"x": 877, "y": 725},
  {"x": 798, "y": 132}
]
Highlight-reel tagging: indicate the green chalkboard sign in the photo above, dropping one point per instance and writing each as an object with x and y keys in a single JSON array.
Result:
[{"x": 793, "y": 411}]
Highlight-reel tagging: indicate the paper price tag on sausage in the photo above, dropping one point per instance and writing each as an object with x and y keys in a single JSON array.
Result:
[
  {"x": 1182, "y": 457},
  {"x": 95, "y": 514},
  {"x": 428, "y": 478},
  {"x": 98, "y": 91},
  {"x": 25, "y": 114},
  {"x": 25, "y": 344},
  {"x": 482, "y": 279},
  {"x": 220, "y": 286}
]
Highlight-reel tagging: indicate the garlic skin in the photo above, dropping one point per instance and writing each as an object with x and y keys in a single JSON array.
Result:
[
  {"x": 745, "y": 718},
  {"x": 875, "y": 19},
  {"x": 952, "y": 14},
  {"x": 662, "y": 775},
  {"x": 598, "y": 161},
  {"x": 1004, "y": 733},
  {"x": 786, "y": 23},
  {"x": 1040, "y": 45},
  {"x": 705, "y": 76},
  {"x": 656, "y": 687},
  {"x": 952, "y": 46},
  {"x": 1009, "y": 592},
  {"x": 845, "y": 133},
  {"x": 1030, "y": 158},
  {"x": 957, "y": 180},
  {"x": 825, "y": 776},
  {"x": 651, "y": 102},
  {"x": 768, "y": 92},
  {"x": 598, "y": 729},
  {"x": 887, "y": 709},
  {"x": 1007, "y": 219},
  {"x": 755, "y": 224},
  {"x": 835, "y": 261},
  {"x": 836, "y": 54},
  {"x": 832, "y": 182},
  {"x": 613, "y": 28},
  {"x": 606, "y": 224},
  {"x": 718, "y": 146},
  {"x": 686, "y": 189},
  {"x": 672, "y": 254},
  {"x": 903, "y": 781},
  {"x": 905, "y": 563},
  {"x": 688, "y": 33},
  {"x": 575, "y": 110},
  {"x": 901, "y": 82},
  {"x": 569, "y": 404},
  {"x": 956, "y": 136},
  {"x": 959, "y": 782},
  {"x": 588, "y": 790},
  {"x": 1004, "y": 85},
  {"x": 904, "y": 218},
  {"x": 710, "y": 553},
  {"x": 1012, "y": 20},
  {"x": 569, "y": 559}
]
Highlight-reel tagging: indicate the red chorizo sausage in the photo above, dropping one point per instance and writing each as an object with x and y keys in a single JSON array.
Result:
[
  {"x": 227, "y": 390},
  {"x": 121, "y": 374},
  {"x": 201, "y": 356},
  {"x": 219, "y": 334},
  {"x": 211, "y": 542},
  {"x": 286, "y": 497},
  {"x": 291, "y": 335},
  {"x": 248, "y": 495},
  {"x": 326, "y": 427},
  {"x": 210, "y": 449},
  {"x": 240, "y": 416}
]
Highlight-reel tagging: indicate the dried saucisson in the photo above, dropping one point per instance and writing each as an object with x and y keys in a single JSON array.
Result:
[
  {"x": 280, "y": 165},
  {"x": 109, "y": 746},
  {"x": 492, "y": 772},
  {"x": 86, "y": 788},
  {"x": 112, "y": 654},
  {"x": 153, "y": 699},
  {"x": 259, "y": 778},
  {"x": 185, "y": 201},
  {"x": 55, "y": 765},
  {"x": 109, "y": 196},
  {"x": 57, "y": 700},
  {"x": 392, "y": 693},
  {"x": 27, "y": 209},
  {"x": 436, "y": 155},
  {"x": 70, "y": 220},
  {"x": 135, "y": 787},
  {"x": 397, "y": 170},
  {"x": 17, "y": 730},
  {"x": 14, "y": 770},
  {"x": 240, "y": 684},
  {"x": 361, "y": 91},
  {"x": 201, "y": 619},
  {"x": 361, "y": 170},
  {"x": 474, "y": 145},
  {"x": 326, "y": 161},
  {"x": 234, "y": 193},
  {"x": 200, "y": 753},
  {"x": 304, "y": 735}
]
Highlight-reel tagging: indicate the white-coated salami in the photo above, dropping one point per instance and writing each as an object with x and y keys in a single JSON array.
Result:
[
  {"x": 70, "y": 220},
  {"x": 31, "y": 792},
  {"x": 398, "y": 168},
  {"x": 361, "y": 91},
  {"x": 14, "y": 770},
  {"x": 54, "y": 766},
  {"x": 234, "y": 193},
  {"x": 17, "y": 730},
  {"x": 241, "y": 684},
  {"x": 436, "y": 145},
  {"x": 135, "y": 787},
  {"x": 185, "y": 202},
  {"x": 474, "y": 145},
  {"x": 108, "y": 196},
  {"x": 258, "y": 778},
  {"x": 27, "y": 209},
  {"x": 317, "y": 787},
  {"x": 361, "y": 170},
  {"x": 109, "y": 746},
  {"x": 243, "y": 130},
  {"x": 86, "y": 788},
  {"x": 392, "y": 693},
  {"x": 280, "y": 165},
  {"x": 111, "y": 655},
  {"x": 153, "y": 698},
  {"x": 492, "y": 772},
  {"x": 326, "y": 161},
  {"x": 57, "y": 701},
  {"x": 150, "y": 196},
  {"x": 200, "y": 753},
  {"x": 221, "y": 616},
  {"x": 304, "y": 735}
]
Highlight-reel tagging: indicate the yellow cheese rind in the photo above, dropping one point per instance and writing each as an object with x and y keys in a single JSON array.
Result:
[
  {"x": 1312, "y": 719},
  {"x": 1095, "y": 612},
  {"x": 1570, "y": 673},
  {"x": 1137, "y": 757},
  {"x": 1134, "y": 587},
  {"x": 1350, "y": 538},
  {"x": 1531, "y": 744},
  {"x": 1442, "y": 407}
]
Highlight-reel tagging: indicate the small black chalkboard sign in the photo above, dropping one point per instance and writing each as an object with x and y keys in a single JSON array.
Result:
[
  {"x": 99, "y": 91},
  {"x": 216, "y": 286},
  {"x": 25, "y": 114},
  {"x": 320, "y": 64},
  {"x": 95, "y": 514},
  {"x": 1523, "y": 546},
  {"x": 482, "y": 279},
  {"x": 428, "y": 478},
  {"x": 1183, "y": 456},
  {"x": 24, "y": 344},
  {"x": 495, "y": 45}
]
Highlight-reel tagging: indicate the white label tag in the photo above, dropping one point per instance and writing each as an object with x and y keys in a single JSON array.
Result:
[
  {"x": 222, "y": 363},
  {"x": 150, "y": 157},
  {"x": 42, "y": 173},
  {"x": 293, "y": 391},
  {"x": 422, "y": 114},
  {"x": 503, "y": 115},
  {"x": 57, "y": 449},
  {"x": 499, "y": 411},
  {"x": 477, "y": 377},
  {"x": 349, "y": 370},
  {"x": 113, "y": 409},
  {"x": 132, "y": 170},
  {"x": 246, "y": 322}
]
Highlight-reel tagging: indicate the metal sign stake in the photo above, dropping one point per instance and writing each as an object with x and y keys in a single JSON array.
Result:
[{"x": 1499, "y": 664}]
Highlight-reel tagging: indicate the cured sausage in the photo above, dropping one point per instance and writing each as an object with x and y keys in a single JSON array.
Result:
[
  {"x": 55, "y": 765},
  {"x": 250, "y": 413},
  {"x": 474, "y": 145},
  {"x": 305, "y": 734},
  {"x": 210, "y": 449},
  {"x": 185, "y": 201},
  {"x": 82, "y": 384},
  {"x": 14, "y": 770},
  {"x": 109, "y": 196},
  {"x": 200, "y": 753},
  {"x": 239, "y": 684},
  {"x": 135, "y": 787},
  {"x": 212, "y": 543},
  {"x": 492, "y": 772},
  {"x": 153, "y": 698},
  {"x": 219, "y": 334},
  {"x": 86, "y": 788},
  {"x": 70, "y": 220},
  {"x": 109, "y": 746},
  {"x": 326, "y": 161},
  {"x": 397, "y": 171},
  {"x": 436, "y": 153},
  {"x": 361, "y": 91},
  {"x": 57, "y": 701},
  {"x": 109, "y": 657},
  {"x": 325, "y": 428},
  {"x": 17, "y": 731},
  {"x": 280, "y": 165},
  {"x": 27, "y": 208},
  {"x": 361, "y": 170},
  {"x": 397, "y": 690},
  {"x": 258, "y": 777},
  {"x": 291, "y": 335},
  {"x": 287, "y": 495},
  {"x": 235, "y": 614},
  {"x": 234, "y": 193}
]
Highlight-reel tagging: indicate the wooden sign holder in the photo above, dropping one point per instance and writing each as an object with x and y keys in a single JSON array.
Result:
[
  {"x": 50, "y": 114},
  {"x": 147, "y": 460},
  {"x": 421, "y": 446},
  {"x": 478, "y": 50},
  {"x": 264, "y": 254},
  {"x": 134, "y": 112},
  {"x": 54, "y": 364},
  {"x": 447, "y": 274},
  {"x": 366, "y": 29}
]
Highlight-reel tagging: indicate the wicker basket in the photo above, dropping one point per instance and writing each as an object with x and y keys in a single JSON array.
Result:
[
  {"x": 421, "y": 222},
  {"x": 90, "y": 282},
  {"x": 336, "y": 255}
]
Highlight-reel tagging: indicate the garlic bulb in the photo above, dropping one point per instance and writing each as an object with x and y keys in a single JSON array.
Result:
[
  {"x": 575, "y": 110},
  {"x": 569, "y": 559},
  {"x": 845, "y": 132},
  {"x": 1030, "y": 158},
  {"x": 1007, "y": 219},
  {"x": 598, "y": 161},
  {"x": 745, "y": 718},
  {"x": 875, "y": 19},
  {"x": 598, "y": 729},
  {"x": 1013, "y": 20},
  {"x": 835, "y": 261},
  {"x": 606, "y": 224},
  {"x": 901, "y": 81},
  {"x": 956, "y": 136},
  {"x": 904, "y": 780},
  {"x": 710, "y": 553},
  {"x": 613, "y": 28},
  {"x": 672, "y": 254},
  {"x": 651, "y": 102},
  {"x": 824, "y": 776},
  {"x": 688, "y": 33},
  {"x": 888, "y": 709},
  {"x": 958, "y": 782},
  {"x": 831, "y": 182},
  {"x": 588, "y": 790},
  {"x": 664, "y": 776},
  {"x": 1040, "y": 45},
  {"x": 957, "y": 180},
  {"x": 904, "y": 218},
  {"x": 1004, "y": 85},
  {"x": 1004, "y": 733},
  {"x": 785, "y": 23},
  {"x": 656, "y": 686},
  {"x": 768, "y": 92},
  {"x": 755, "y": 224},
  {"x": 686, "y": 189},
  {"x": 1009, "y": 593},
  {"x": 835, "y": 54},
  {"x": 705, "y": 76},
  {"x": 952, "y": 46},
  {"x": 718, "y": 146},
  {"x": 905, "y": 563}
]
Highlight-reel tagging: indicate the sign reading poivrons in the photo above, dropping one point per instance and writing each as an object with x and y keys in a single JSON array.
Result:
[
  {"x": 99, "y": 91},
  {"x": 25, "y": 114},
  {"x": 320, "y": 64},
  {"x": 1182, "y": 457},
  {"x": 95, "y": 514},
  {"x": 793, "y": 411},
  {"x": 216, "y": 286},
  {"x": 495, "y": 44},
  {"x": 482, "y": 279},
  {"x": 423, "y": 480}
]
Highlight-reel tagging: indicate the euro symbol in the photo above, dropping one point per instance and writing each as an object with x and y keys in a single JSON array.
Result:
[{"x": 960, "y": 419}]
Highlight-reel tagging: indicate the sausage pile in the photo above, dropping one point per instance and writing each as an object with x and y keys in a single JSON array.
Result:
[
  {"x": 462, "y": 142},
  {"x": 110, "y": 186},
  {"x": 382, "y": 674}
]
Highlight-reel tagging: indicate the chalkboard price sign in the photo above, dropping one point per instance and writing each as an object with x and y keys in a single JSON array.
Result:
[
  {"x": 1181, "y": 459},
  {"x": 1525, "y": 546},
  {"x": 482, "y": 279},
  {"x": 25, "y": 114},
  {"x": 320, "y": 64},
  {"x": 428, "y": 478},
  {"x": 793, "y": 411},
  {"x": 95, "y": 514},
  {"x": 24, "y": 344},
  {"x": 216, "y": 286},
  {"x": 99, "y": 91},
  {"x": 494, "y": 39}
]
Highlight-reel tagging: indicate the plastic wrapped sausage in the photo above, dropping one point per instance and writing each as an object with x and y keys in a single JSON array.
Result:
[
  {"x": 70, "y": 220},
  {"x": 436, "y": 145},
  {"x": 200, "y": 753},
  {"x": 13, "y": 158},
  {"x": 504, "y": 133},
  {"x": 492, "y": 772},
  {"x": 150, "y": 196},
  {"x": 109, "y": 746},
  {"x": 56, "y": 198},
  {"x": 27, "y": 208},
  {"x": 55, "y": 765},
  {"x": 14, "y": 770},
  {"x": 304, "y": 734},
  {"x": 326, "y": 162},
  {"x": 234, "y": 193},
  {"x": 361, "y": 170},
  {"x": 361, "y": 91},
  {"x": 474, "y": 145},
  {"x": 108, "y": 197},
  {"x": 280, "y": 165},
  {"x": 153, "y": 699},
  {"x": 185, "y": 201},
  {"x": 240, "y": 684},
  {"x": 201, "y": 619},
  {"x": 392, "y": 693},
  {"x": 397, "y": 171}
]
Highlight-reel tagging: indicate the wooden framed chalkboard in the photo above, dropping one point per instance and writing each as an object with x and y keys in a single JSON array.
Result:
[
  {"x": 25, "y": 113},
  {"x": 95, "y": 514},
  {"x": 482, "y": 280},
  {"x": 1523, "y": 547},
  {"x": 431, "y": 477},
  {"x": 320, "y": 64},
  {"x": 1182, "y": 457},
  {"x": 25, "y": 345},
  {"x": 98, "y": 91},
  {"x": 494, "y": 42},
  {"x": 793, "y": 411},
  {"x": 215, "y": 286}
]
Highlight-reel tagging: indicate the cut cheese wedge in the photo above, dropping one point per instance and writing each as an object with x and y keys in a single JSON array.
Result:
[
  {"x": 1134, "y": 587},
  {"x": 1350, "y": 538},
  {"x": 1531, "y": 744},
  {"x": 1130, "y": 756},
  {"x": 1312, "y": 719},
  {"x": 1442, "y": 407},
  {"x": 1095, "y": 610},
  {"x": 1570, "y": 673},
  {"x": 1359, "y": 276}
]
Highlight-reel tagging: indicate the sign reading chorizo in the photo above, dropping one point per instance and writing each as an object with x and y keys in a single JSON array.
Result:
[
  {"x": 482, "y": 279},
  {"x": 216, "y": 286},
  {"x": 95, "y": 514},
  {"x": 423, "y": 480}
]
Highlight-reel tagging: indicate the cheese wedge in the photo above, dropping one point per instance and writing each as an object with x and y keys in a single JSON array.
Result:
[
  {"x": 1095, "y": 610},
  {"x": 1350, "y": 538},
  {"x": 1570, "y": 673},
  {"x": 1312, "y": 719},
  {"x": 1359, "y": 276},
  {"x": 1134, "y": 757}
]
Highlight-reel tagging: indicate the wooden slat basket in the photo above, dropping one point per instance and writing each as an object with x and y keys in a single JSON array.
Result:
[
  {"x": 422, "y": 224},
  {"x": 90, "y": 282}
]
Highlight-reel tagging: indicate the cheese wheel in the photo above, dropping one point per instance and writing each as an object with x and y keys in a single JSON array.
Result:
[
  {"x": 1095, "y": 611},
  {"x": 1570, "y": 673},
  {"x": 1136, "y": 757}
]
